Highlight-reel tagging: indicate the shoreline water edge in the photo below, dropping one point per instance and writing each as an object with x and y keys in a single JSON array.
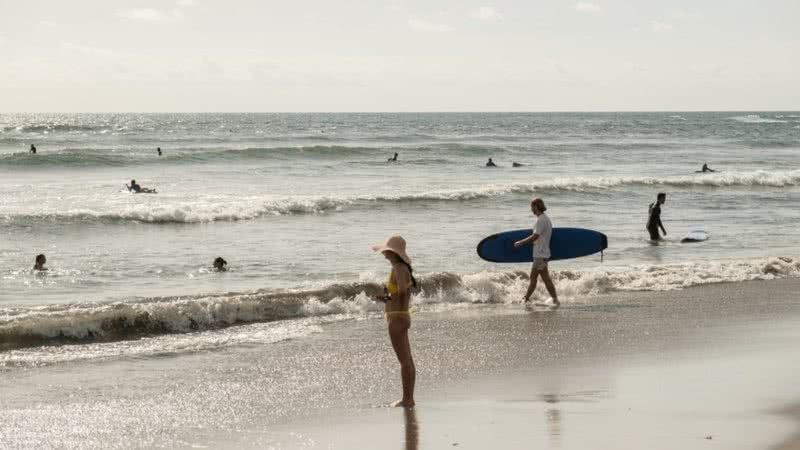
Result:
[{"x": 703, "y": 363}]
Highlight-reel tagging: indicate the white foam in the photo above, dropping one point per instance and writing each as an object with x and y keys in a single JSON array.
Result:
[
  {"x": 194, "y": 324},
  {"x": 224, "y": 208},
  {"x": 509, "y": 287},
  {"x": 258, "y": 333},
  {"x": 755, "y": 118}
]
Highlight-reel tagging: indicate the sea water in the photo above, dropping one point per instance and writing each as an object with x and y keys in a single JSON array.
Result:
[{"x": 294, "y": 201}]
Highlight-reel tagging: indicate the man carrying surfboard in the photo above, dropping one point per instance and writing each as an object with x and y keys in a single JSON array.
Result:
[{"x": 542, "y": 231}]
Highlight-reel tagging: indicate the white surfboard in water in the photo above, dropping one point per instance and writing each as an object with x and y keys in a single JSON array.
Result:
[{"x": 695, "y": 236}]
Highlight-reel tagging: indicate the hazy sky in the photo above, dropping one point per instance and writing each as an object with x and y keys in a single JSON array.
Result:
[{"x": 387, "y": 55}]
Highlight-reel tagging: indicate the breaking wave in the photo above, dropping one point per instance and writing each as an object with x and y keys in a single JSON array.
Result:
[
  {"x": 105, "y": 322},
  {"x": 755, "y": 118},
  {"x": 222, "y": 208}
]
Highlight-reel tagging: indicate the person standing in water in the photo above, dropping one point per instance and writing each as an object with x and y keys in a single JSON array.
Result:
[
  {"x": 39, "y": 263},
  {"x": 159, "y": 151},
  {"x": 491, "y": 163},
  {"x": 393, "y": 158},
  {"x": 33, "y": 149},
  {"x": 542, "y": 231},
  {"x": 654, "y": 217},
  {"x": 397, "y": 296}
]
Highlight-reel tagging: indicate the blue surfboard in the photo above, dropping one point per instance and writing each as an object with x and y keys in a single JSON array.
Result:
[{"x": 566, "y": 243}]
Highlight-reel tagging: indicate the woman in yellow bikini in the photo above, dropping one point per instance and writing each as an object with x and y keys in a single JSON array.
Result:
[{"x": 397, "y": 297}]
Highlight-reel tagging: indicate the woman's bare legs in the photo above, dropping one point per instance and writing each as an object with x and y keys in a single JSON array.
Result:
[{"x": 398, "y": 333}]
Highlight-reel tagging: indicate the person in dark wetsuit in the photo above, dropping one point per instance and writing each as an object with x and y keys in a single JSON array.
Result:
[
  {"x": 159, "y": 151},
  {"x": 706, "y": 169},
  {"x": 33, "y": 149},
  {"x": 491, "y": 163},
  {"x": 654, "y": 218},
  {"x": 393, "y": 159},
  {"x": 134, "y": 187},
  {"x": 138, "y": 189}
]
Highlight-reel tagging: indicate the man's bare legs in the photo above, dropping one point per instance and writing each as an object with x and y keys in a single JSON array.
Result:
[
  {"x": 532, "y": 285},
  {"x": 548, "y": 283}
]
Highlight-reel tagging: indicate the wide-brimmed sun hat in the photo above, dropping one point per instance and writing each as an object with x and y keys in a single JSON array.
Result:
[{"x": 396, "y": 245}]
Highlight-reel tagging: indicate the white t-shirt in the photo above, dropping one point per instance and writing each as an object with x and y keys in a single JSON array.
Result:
[{"x": 544, "y": 228}]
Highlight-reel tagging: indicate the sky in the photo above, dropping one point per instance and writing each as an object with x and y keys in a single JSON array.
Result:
[{"x": 391, "y": 55}]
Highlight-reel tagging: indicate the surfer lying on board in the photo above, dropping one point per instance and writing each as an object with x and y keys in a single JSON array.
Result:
[
  {"x": 397, "y": 297},
  {"x": 542, "y": 230},
  {"x": 138, "y": 189}
]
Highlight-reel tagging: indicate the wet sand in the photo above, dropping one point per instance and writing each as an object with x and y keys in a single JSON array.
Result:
[{"x": 707, "y": 366}]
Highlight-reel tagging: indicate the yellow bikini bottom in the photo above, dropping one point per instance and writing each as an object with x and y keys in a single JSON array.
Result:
[{"x": 392, "y": 315}]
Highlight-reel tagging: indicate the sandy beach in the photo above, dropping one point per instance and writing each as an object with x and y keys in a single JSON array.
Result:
[{"x": 708, "y": 366}]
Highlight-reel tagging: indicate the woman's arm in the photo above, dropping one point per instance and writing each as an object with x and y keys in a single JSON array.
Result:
[{"x": 402, "y": 279}]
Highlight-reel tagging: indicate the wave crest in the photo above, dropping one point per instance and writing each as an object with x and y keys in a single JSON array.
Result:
[
  {"x": 81, "y": 323},
  {"x": 223, "y": 208},
  {"x": 755, "y": 118}
]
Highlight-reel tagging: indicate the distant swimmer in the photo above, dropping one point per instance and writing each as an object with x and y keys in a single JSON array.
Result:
[
  {"x": 706, "y": 169},
  {"x": 220, "y": 265},
  {"x": 393, "y": 158},
  {"x": 654, "y": 217},
  {"x": 135, "y": 188},
  {"x": 40, "y": 262},
  {"x": 491, "y": 163},
  {"x": 159, "y": 151},
  {"x": 33, "y": 149},
  {"x": 516, "y": 164}
]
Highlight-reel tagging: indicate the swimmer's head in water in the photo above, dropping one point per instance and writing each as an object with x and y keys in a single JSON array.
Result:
[
  {"x": 40, "y": 259},
  {"x": 220, "y": 263}
]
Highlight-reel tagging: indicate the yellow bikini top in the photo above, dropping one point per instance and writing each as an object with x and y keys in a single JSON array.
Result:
[{"x": 391, "y": 287}]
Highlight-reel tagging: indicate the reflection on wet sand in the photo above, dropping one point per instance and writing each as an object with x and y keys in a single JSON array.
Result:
[
  {"x": 553, "y": 417},
  {"x": 412, "y": 429}
]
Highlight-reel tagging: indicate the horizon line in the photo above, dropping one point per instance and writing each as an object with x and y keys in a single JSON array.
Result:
[{"x": 420, "y": 112}]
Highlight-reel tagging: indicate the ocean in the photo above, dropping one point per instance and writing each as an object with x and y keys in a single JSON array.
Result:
[{"x": 293, "y": 202}]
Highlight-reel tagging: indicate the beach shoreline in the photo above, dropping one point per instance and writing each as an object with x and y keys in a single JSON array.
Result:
[{"x": 703, "y": 361}]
